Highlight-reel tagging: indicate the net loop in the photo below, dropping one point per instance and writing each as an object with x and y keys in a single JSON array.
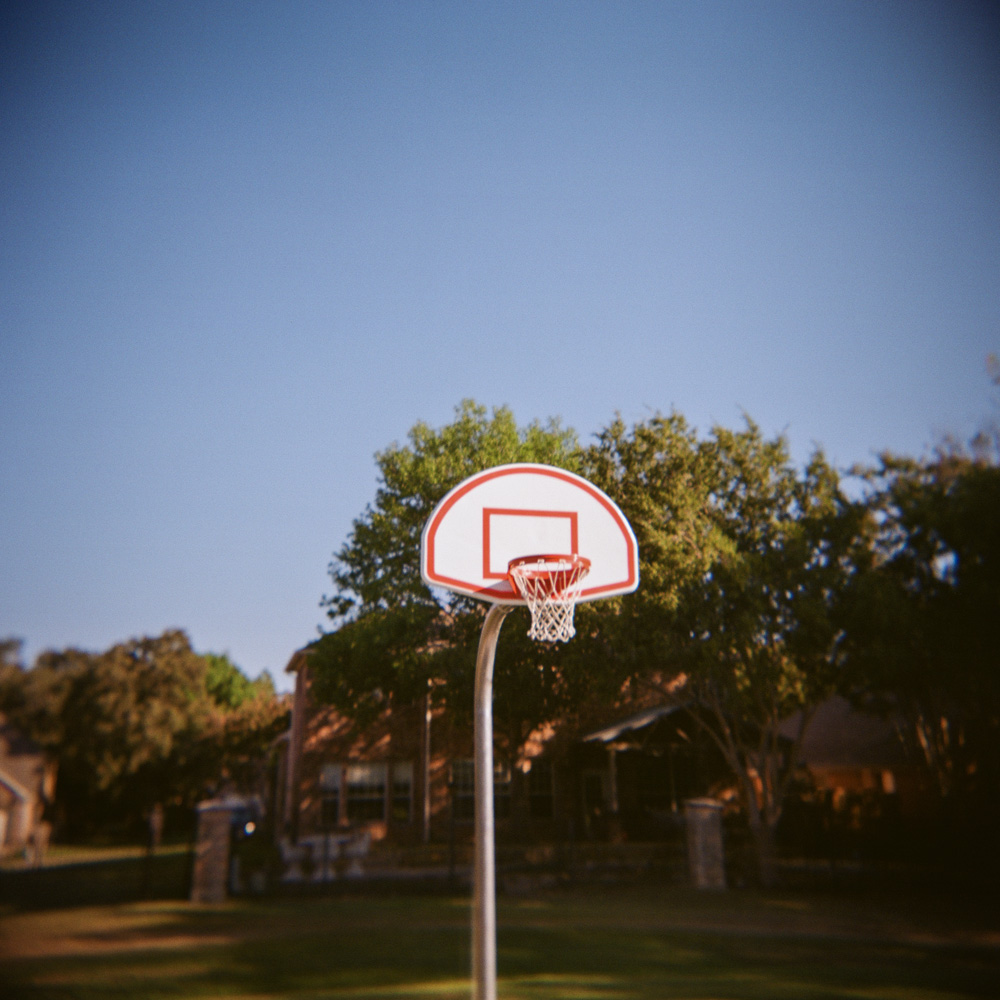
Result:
[{"x": 550, "y": 587}]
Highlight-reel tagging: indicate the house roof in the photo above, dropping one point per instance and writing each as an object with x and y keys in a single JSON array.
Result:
[
  {"x": 638, "y": 721},
  {"x": 298, "y": 660},
  {"x": 16, "y": 788},
  {"x": 839, "y": 735}
]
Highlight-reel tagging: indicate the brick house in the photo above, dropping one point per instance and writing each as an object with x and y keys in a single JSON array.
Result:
[
  {"x": 408, "y": 777},
  {"x": 859, "y": 788}
]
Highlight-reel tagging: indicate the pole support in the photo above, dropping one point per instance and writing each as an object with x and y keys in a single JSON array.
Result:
[{"x": 484, "y": 933}]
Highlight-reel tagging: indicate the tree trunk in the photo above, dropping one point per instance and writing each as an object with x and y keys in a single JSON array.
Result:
[
  {"x": 762, "y": 833},
  {"x": 767, "y": 855}
]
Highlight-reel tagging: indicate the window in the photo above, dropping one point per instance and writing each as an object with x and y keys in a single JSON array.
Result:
[
  {"x": 654, "y": 785},
  {"x": 365, "y": 792},
  {"x": 329, "y": 784},
  {"x": 463, "y": 790},
  {"x": 402, "y": 793},
  {"x": 361, "y": 793}
]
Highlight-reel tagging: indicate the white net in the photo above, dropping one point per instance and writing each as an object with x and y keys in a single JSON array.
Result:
[{"x": 550, "y": 586}]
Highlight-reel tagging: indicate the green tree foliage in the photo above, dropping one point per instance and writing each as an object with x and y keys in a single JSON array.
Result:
[
  {"x": 238, "y": 736},
  {"x": 743, "y": 556},
  {"x": 226, "y": 684},
  {"x": 393, "y": 635},
  {"x": 11, "y": 666},
  {"x": 924, "y": 611},
  {"x": 143, "y": 722},
  {"x": 764, "y": 589},
  {"x": 378, "y": 568}
]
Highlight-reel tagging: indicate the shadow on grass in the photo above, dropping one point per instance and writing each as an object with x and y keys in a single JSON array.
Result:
[
  {"x": 165, "y": 875},
  {"x": 608, "y": 944}
]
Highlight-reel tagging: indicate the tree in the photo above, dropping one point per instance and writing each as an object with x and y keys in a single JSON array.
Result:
[
  {"x": 922, "y": 631},
  {"x": 138, "y": 724},
  {"x": 11, "y": 667},
  {"x": 113, "y": 720},
  {"x": 10, "y": 653},
  {"x": 743, "y": 557},
  {"x": 921, "y": 634},
  {"x": 226, "y": 684},
  {"x": 245, "y": 718},
  {"x": 393, "y": 635}
]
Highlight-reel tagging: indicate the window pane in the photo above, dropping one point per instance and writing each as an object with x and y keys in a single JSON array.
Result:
[
  {"x": 402, "y": 792},
  {"x": 330, "y": 810},
  {"x": 463, "y": 779},
  {"x": 367, "y": 776},
  {"x": 365, "y": 792},
  {"x": 463, "y": 790}
]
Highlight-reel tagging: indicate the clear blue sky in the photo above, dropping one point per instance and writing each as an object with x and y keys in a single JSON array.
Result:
[{"x": 247, "y": 245}]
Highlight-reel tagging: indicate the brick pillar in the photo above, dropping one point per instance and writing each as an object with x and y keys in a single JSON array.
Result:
[
  {"x": 706, "y": 857},
  {"x": 211, "y": 862}
]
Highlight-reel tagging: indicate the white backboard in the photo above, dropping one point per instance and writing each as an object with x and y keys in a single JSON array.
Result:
[{"x": 511, "y": 511}]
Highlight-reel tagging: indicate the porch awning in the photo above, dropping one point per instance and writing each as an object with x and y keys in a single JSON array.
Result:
[
  {"x": 638, "y": 721},
  {"x": 15, "y": 787}
]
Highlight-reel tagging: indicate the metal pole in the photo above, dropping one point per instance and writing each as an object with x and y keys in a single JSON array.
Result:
[
  {"x": 428, "y": 718},
  {"x": 484, "y": 925}
]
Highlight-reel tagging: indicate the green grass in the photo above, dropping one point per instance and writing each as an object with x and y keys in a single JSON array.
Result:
[{"x": 619, "y": 943}]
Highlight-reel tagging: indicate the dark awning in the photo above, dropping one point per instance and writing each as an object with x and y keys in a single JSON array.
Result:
[{"x": 638, "y": 721}]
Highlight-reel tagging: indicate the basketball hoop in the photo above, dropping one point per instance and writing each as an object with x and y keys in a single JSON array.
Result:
[
  {"x": 471, "y": 545},
  {"x": 550, "y": 586}
]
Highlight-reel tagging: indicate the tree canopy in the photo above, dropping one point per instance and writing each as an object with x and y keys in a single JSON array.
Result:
[
  {"x": 743, "y": 557},
  {"x": 146, "y": 721},
  {"x": 393, "y": 634},
  {"x": 923, "y": 614},
  {"x": 921, "y": 619},
  {"x": 375, "y": 569},
  {"x": 764, "y": 589}
]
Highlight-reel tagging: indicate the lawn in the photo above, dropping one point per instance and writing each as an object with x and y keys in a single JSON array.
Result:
[{"x": 617, "y": 942}]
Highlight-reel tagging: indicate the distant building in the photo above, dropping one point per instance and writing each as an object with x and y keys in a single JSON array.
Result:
[
  {"x": 27, "y": 785},
  {"x": 408, "y": 777},
  {"x": 847, "y": 752},
  {"x": 858, "y": 792}
]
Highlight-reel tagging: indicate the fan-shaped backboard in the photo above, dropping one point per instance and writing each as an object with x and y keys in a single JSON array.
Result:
[{"x": 518, "y": 510}]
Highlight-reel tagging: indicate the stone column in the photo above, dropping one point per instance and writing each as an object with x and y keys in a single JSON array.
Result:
[
  {"x": 211, "y": 860},
  {"x": 706, "y": 857}
]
